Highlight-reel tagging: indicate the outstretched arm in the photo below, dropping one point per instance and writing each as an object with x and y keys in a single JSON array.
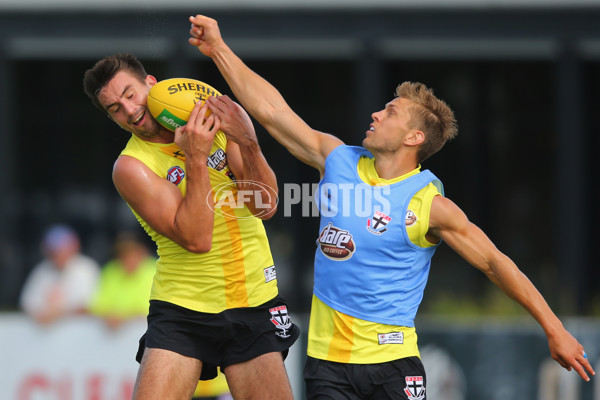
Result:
[
  {"x": 449, "y": 223},
  {"x": 261, "y": 99}
]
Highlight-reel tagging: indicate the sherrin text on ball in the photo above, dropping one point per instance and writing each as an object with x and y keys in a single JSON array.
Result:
[{"x": 170, "y": 101}]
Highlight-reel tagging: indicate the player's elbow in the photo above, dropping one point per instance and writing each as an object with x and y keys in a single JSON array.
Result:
[
  {"x": 201, "y": 244},
  {"x": 266, "y": 207},
  {"x": 198, "y": 247},
  {"x": 271, "y": 114},
  {"x": 268, "y": 213},
  {"x": 496, "y": 266}
]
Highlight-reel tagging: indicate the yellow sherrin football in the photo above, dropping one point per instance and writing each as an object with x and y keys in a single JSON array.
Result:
[{"x": 170, "y": 101}]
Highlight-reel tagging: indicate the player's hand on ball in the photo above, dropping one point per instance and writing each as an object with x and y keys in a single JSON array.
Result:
[
  {"x": 235, "y": 122},
  {"x": 196, "y": 137}
]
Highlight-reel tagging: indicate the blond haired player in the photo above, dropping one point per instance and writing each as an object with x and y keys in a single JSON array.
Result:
[
  {"x": 214, "y": 299},
  {"x": 371, "y": 269}
]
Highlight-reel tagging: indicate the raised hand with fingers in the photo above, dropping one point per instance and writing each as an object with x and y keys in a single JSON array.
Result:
[
  {"x": 204, "y": 34},
  {"x": 569, "y": 353}
]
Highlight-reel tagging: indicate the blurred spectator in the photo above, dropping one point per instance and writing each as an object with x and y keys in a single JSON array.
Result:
[
  {"x": 64, "y": 282},
  {"x": 125, "y": 282}
]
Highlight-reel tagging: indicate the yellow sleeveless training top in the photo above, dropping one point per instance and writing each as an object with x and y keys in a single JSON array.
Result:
[
  {"x": 338, "y": 337},
  {"x": 238, "y": 271}
]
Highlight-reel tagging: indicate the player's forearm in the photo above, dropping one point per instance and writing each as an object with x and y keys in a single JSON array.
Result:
[
  {"x": 264, "y": 102},
  {"x": 517, "y": 286},
  {"x": 537, "y": 306},
  {"x": 194, "y": 219},
  {"x": 260, "y": 179},
  {"x": 258, "y": 96}
]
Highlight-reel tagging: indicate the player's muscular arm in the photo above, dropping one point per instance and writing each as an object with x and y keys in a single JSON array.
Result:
[
  {"x": 160, "y": 203},
  {"x": 255, "y": 177},
  {"x": 449, "y": 223},
  {"x": 187, "y": 220},
  {"x": 261, "y": 99},
  {"x": 245, "y": 158}
]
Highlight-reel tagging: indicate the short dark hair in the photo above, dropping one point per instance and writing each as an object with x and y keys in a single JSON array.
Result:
[{"x": 104, "y": 70}]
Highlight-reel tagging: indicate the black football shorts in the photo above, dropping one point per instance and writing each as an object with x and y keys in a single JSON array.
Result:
[
  {"x": 219, "y": 340},
  {"x": 402, "y": 379}
]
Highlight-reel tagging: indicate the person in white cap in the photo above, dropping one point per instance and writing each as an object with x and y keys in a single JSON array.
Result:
[{"x": 64, "y": 282}]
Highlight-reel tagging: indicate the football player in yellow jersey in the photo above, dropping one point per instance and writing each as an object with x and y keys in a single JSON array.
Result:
[
  {"x": 214, "y": 300},
  {"x": 343, "y": 362}
]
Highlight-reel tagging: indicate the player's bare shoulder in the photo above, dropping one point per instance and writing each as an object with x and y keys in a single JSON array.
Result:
[
  {"x": 125, "y": 167},
  {"x": 130, "y": 175},
  {"x": 328, "y": 143},
  {"x": 444, "y": 215}
]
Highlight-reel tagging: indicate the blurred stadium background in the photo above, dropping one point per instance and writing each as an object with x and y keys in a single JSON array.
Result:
[{"x": 521, "y": 76}]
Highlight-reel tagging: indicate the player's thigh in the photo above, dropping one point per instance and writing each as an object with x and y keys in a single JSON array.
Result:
[
  {"x": 166, "y": 375},
  {"x": 327, "y": 380},
  {"x": 394, "y": 380},
  {"x": 261, "y": 378},
  {"x": 326, "y": 390},
  {"x": 401, "y": 379}
]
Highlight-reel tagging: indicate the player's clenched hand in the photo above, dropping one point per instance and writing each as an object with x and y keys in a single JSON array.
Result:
[
  {"x": 235, "y": 122},
  {"x": 204, "y": 34},
  {"x": 569, "y": 353},
  {"x": 196, "y": 137}
]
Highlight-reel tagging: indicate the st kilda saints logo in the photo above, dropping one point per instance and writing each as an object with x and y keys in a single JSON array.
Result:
[
  {"x": 415, "y": 387},
  {"x": 335, "y": 243},
  {"x": 281, "y": 319},
  {"x": 377, "y": 224}
]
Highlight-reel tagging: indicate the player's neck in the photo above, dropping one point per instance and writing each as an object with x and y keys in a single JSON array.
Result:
[
  {"x": 163, "y": 135},
  {"x": 392, "y": 166}
]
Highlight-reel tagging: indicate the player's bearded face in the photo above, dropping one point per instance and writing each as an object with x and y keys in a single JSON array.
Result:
[
  {"x": 124, "y": 98},
  {"x": 150, "y": 128}
]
